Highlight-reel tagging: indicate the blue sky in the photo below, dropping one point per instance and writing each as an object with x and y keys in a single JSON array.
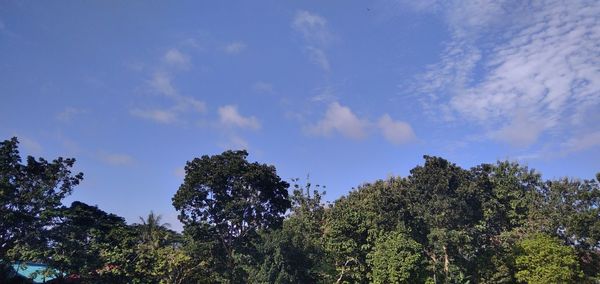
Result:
[{"x": 346, "y": 91}]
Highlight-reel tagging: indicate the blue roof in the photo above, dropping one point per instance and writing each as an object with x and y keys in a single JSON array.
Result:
[{"x": 38, "y": 272}]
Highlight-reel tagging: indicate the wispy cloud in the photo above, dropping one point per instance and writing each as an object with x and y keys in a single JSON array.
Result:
[
  {"x": 176, "y": 58},
  {"x": 313, "y": 27},
  {"x": 235, "y": 47},
  {"x": 116, "y": 159},
  {"x": 325, "y": 94},
  {"x": 263, "y": 87},
  {"x": 318, "y": 57},
  {"x": 316, "y": 36},
  {"x": 165, "y": 116},
  {"x": 581, "y": 142},
  {"x": 161, "y": 84},
  {"x": 69, "y": 113},
  {"x": 540, "y": 75},
  {"x": 229, "y": 116},
  {"x": 523, "y": 130}
]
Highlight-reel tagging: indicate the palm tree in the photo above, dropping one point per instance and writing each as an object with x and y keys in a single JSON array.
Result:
[{"x": 153, "y": 231}]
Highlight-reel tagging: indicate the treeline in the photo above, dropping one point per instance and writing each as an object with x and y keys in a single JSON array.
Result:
[{"x": 493, "y": 223}]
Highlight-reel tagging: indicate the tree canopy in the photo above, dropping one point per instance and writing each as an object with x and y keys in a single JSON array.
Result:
[
  {"x": 228, "y": 200},
  {"x": 442, "y": 223}
]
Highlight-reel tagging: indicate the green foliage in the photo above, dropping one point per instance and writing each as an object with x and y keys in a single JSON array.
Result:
[
  {"x": 543, "y": 259},
  {"x": 29, "y": 194},
  {"x": 442, "y": 201},
  {"x": 351, "y": 227},
  {"x": 77, "y": 240},
  {"x": 493, "y": 223},
  {"x": 295, "y": 254},
  {"x": 396, "y": 258},
  {"x": 229, "y": 199}
]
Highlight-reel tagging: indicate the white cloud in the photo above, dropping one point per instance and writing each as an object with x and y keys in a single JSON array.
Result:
[
  {"x": 340, "y": 119},
  {"x": 397, "y": 132},
  {"x": 500, "y": 63},
  {"x": 522, "y": 131},
  {"x": 157, "y": 115},
  {"x": 263, "y": 87},
  {"x": 325, "y": 94},
  {"x": 313, "y": 27},
  {"x": 115, "y": 159},
  {"x": 318, "y": 57},
  {"x": 69, "y": 113},
  {"x": 161, "y": 83},
  {"x": 176, "y": 58},
  {"x": 316, "y": 36},
  {"x": 229, "y": 116},
  {"x": 582, "y": 142},
  {"x": 235, "y": 47}
]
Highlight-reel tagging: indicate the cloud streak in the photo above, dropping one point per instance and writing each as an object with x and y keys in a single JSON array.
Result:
[
  {"x": 235, "y": 47},
  {"x": 316, "y": 36},
  {"x": 176, "y": 58},
  {"x": 539, "y": 76},
  {"x": 116, "y": 159},
  {"x": 161, "y": 84}
]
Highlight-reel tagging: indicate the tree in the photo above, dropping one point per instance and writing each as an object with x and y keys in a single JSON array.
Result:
[
  {"x": 442, "y": 201},
  {"x": 570, "y": 210},
  {"x": 152, "y": 231},
  {"x": 397, "y": 258},
  {"x": 544, "y": 259},
  {"x": 78, "y": 238},
  {"x": 353, "y": 223},
  {"x": 29, "y": 193},
  {"x": 295, "y": 254},
  {"x": 225, "y": 200},
  {"x": 507, "y": 192}
]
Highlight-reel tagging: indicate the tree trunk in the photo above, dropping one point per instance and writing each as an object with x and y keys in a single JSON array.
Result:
[{"x": 446, "y": 262}]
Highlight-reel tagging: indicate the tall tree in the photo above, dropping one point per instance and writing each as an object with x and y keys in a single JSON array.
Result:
[
  {"x": 80, "y": 237},
  {"x": 353, "y": 224},
  {"x": 224, "y": 200},
  {"x": 441, "y": 199},
  {"x": 397, "y": 258},
  {"x": 295, "y": 254},
  {"x": 152, "y": 230},
  {"x": 543, "y": 259},
  {"x": 29, "y": 193},
  {"x": 507, "y": 193}
]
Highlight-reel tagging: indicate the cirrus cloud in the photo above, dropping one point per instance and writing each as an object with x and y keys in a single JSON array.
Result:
[
  {"x": 518, "y": 77},
  {"x": 229, "y": 116}
]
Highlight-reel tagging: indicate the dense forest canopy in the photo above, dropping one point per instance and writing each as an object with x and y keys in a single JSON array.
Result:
[{"x": 492, "y": 223}]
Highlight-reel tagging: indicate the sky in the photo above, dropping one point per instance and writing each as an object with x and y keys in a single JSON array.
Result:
[{"x": 345, "y": 92}]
